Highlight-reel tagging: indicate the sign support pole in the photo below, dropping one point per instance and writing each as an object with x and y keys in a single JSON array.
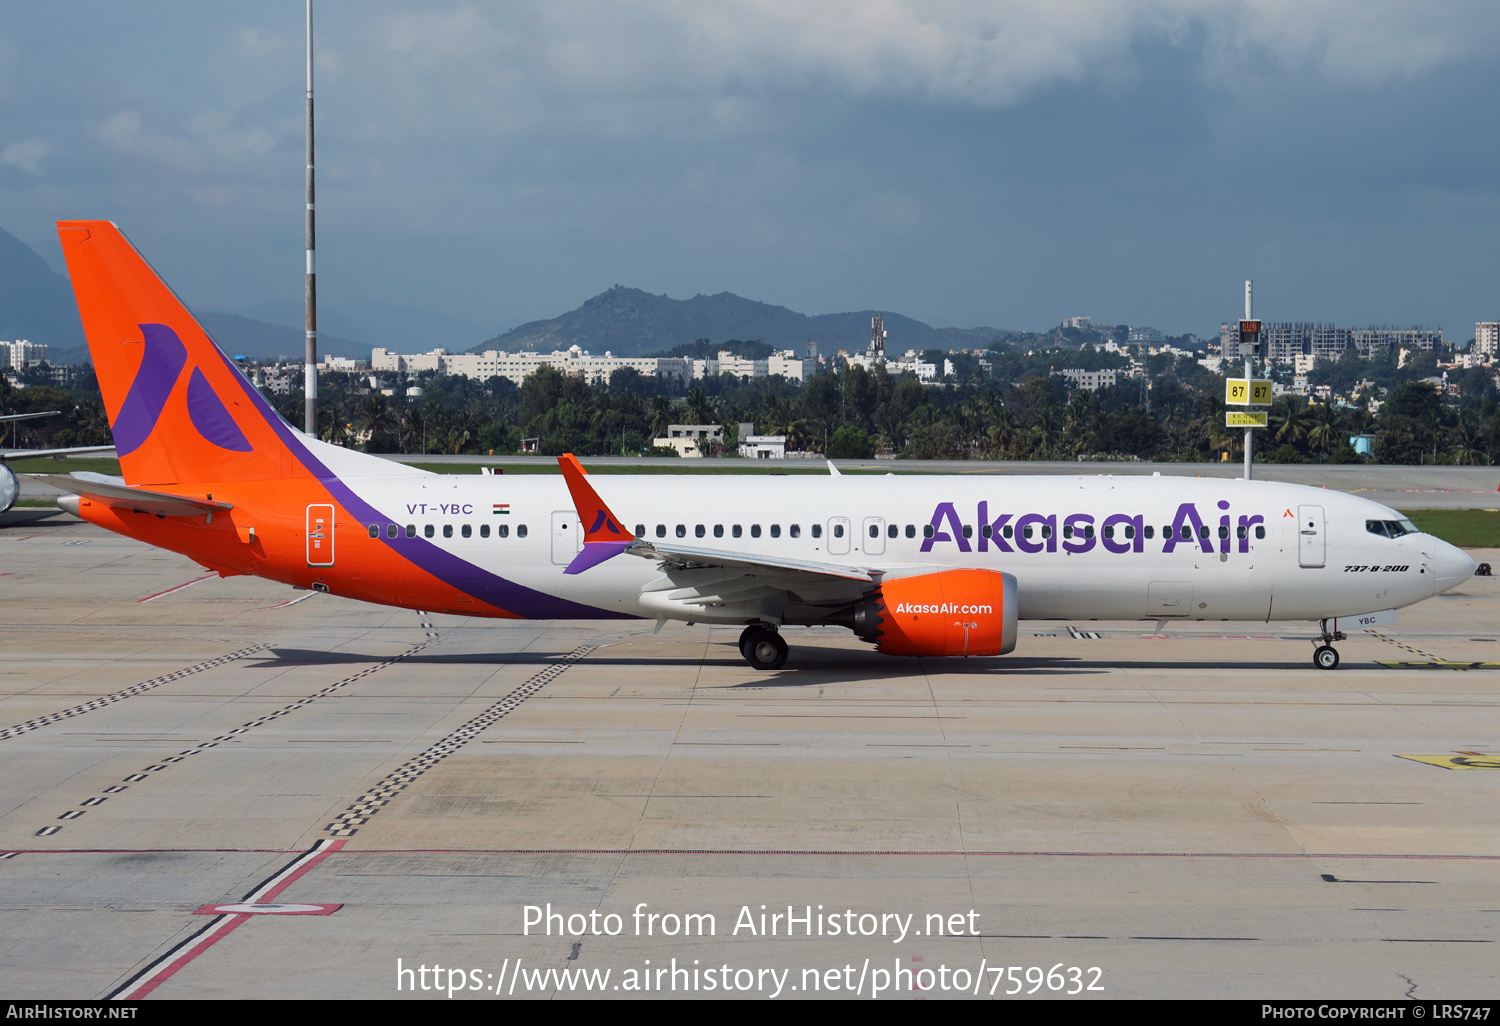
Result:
[{"x": 1249, "y": 376}]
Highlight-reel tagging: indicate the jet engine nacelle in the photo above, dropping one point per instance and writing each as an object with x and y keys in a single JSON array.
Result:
[
  {"x": 948, "y": 613},
  {"x": 10, "y": 488}
]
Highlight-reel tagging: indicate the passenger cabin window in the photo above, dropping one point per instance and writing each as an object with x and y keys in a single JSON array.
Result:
[
  {"x": 520, "y": 530},
  {"x": 411, "y": 530},
  {"x": 484, "y": 530},
  {"x": 817, "y": 530},
  {"x": 838, "y": 530},
  {"x": 911, "y": 530},
  {"x": 699, "y": 531},
  {"x": 467, "y": 531},
  {"x": 1129, "y": 530},
  {"x": 968, "y": 530},
  {"x": 1150, "y": 531},
  {"x": 661, "y": 530},
  {"x": 718, "y": 530},
  {"x": 1109, "y": 530},
  {"x": 874, "y": 530},
  {"x": 737, "y": 530},
  {"x": 1260, "y": 531},
  {"x": 795, "y": 530},
  {"x": 755, "y": 530},
  {"x": 640, "y": 530},
  {"x": 428, "y": 531},
  {"x": 502, "y": 531},
  {"x": 1008, "y": 531},
  {"x": 374, "y": 530},
  {"x": 447, "y": 530},
  {"x": 775, "y": 530},
  {"x": 682, "y": 530},
  {"x": 1223, "y": 531},
  {"x": 927, "y": 531},
  {"x": 892, "y": 531},
  {"x": 392, "y": 530}
]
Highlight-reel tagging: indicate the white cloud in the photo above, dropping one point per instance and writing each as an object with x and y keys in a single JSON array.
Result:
[
  {"x": 123, "y": 132},
  {"x": 26, "y": 155},
  {"x": 985, "y": 52}
]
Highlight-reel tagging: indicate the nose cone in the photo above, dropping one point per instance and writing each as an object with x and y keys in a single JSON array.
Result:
[{"x": 1451, "y": 566}]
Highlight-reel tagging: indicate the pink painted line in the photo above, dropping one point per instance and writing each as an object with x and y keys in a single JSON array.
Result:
[
  {"x": 216, "y": 932},
  {"x": 172, "y": 961},
  {"x": 298, "y": 869},
  {"x": 288, "y": 602},
  {"x": 24, "y": 537},
  {"x": 189, "y": 584}
]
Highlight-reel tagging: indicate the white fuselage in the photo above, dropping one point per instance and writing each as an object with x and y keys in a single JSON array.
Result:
[{"x": 1097, "y": 545}]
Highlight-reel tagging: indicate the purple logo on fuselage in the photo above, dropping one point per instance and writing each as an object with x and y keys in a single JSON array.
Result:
[{"x": 1118, "y": 533}]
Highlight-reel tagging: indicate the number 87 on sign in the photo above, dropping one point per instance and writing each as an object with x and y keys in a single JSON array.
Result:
[{"x": 1252, "y": 392}]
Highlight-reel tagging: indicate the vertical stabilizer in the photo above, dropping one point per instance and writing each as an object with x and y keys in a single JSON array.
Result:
[{"x": 181, "y": 411}]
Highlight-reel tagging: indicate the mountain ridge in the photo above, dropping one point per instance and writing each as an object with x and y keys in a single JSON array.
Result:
[{"x": 632, "y": 322}]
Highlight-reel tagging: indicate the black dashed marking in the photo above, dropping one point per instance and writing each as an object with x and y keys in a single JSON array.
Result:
[
  {"x": 346, "y": 823},
  {"x": 119, "y": 696}
]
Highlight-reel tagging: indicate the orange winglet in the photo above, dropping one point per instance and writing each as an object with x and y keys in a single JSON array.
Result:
[{"x": 603, "y": 536}]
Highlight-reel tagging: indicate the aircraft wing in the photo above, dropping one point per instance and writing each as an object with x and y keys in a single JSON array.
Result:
[
  {"x": 113, "y": 491},
  {"x": 79, "y": 450},
  {"x": 21, "y": 454},
  {"x": 674, "y": 557}
]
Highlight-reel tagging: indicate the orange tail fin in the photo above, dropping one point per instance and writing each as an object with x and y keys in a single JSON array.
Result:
[{"x": 181, "y": 412}]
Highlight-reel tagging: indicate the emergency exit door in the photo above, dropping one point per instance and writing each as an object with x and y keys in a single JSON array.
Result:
[{"x": 320, "y": 535}]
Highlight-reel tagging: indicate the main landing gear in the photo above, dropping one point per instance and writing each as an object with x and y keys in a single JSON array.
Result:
[
  {"x": 1325, "y": 656},
  {"x": 762, "y": 647}
]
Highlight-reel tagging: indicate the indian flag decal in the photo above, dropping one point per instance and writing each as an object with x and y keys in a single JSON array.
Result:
[{"x": 502, "y": 508}]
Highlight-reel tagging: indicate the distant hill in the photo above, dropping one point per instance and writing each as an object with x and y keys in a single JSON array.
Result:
[
  {"x": 246, "y": 336},
  {"x": 630, "y": 322},
  {"x": 36, "y": 302},
  {"x": 401, "y": 328}
]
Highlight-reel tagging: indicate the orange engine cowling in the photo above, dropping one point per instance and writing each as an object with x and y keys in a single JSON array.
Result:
[{"x": 948, "y": 613}]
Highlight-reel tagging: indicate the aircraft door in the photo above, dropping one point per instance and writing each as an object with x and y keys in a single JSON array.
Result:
[
  {"x": 1311, "y": 536},
  {"x": 838, "y": 535},
  {"x": 567, "y": 536},
  {"x": 320, "y": 534},
  {"x": 873, "y": 539}
]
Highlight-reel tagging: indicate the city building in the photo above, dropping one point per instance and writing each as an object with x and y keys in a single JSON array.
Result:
[
  {"x": 1487, "y": 339},
  {"x": 22, "y": 354},
  {"x": 763, "y": 447},
  {"x": 1088, "y": 380}
]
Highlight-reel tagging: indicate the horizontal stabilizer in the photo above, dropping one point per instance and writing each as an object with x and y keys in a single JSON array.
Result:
[{"x": 115, "y": 493}]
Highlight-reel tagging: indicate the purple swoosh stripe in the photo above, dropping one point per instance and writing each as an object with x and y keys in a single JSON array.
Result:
[
  {"x": 163, "y": 361},
  {"x": 211, "y": 418},
  {"x": 445, "y": 566}
]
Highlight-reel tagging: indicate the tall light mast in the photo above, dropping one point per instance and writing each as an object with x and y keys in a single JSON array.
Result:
[{"x": 310, "y": 299}]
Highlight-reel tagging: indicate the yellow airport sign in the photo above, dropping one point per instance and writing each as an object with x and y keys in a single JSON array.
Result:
[
  {"x": 1250, "y": 420},
  {"x": 1252, "y": 392}
]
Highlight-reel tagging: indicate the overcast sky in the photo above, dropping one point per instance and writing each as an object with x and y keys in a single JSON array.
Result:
[{"x": 1005, "y": 163}]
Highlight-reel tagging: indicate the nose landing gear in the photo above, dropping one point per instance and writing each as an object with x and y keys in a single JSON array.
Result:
[
  {"x": 762, "y": 647},
  {"x": 1325, "y": 656}
]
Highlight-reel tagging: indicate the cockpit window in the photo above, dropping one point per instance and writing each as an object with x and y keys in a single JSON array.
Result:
[{"x": 1390, "y": 528}]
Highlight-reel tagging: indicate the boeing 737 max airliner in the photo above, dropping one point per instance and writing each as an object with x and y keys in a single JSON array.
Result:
[{"x": 941, "y": 566}]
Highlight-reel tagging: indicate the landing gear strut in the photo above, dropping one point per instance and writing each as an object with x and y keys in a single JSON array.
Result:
[
  {"x": 1325, "y": 656},
  {"x": 762, "y": 647}
]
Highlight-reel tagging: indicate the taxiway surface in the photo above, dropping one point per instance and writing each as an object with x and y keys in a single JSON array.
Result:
[{"x": 1202, "y": 814}]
